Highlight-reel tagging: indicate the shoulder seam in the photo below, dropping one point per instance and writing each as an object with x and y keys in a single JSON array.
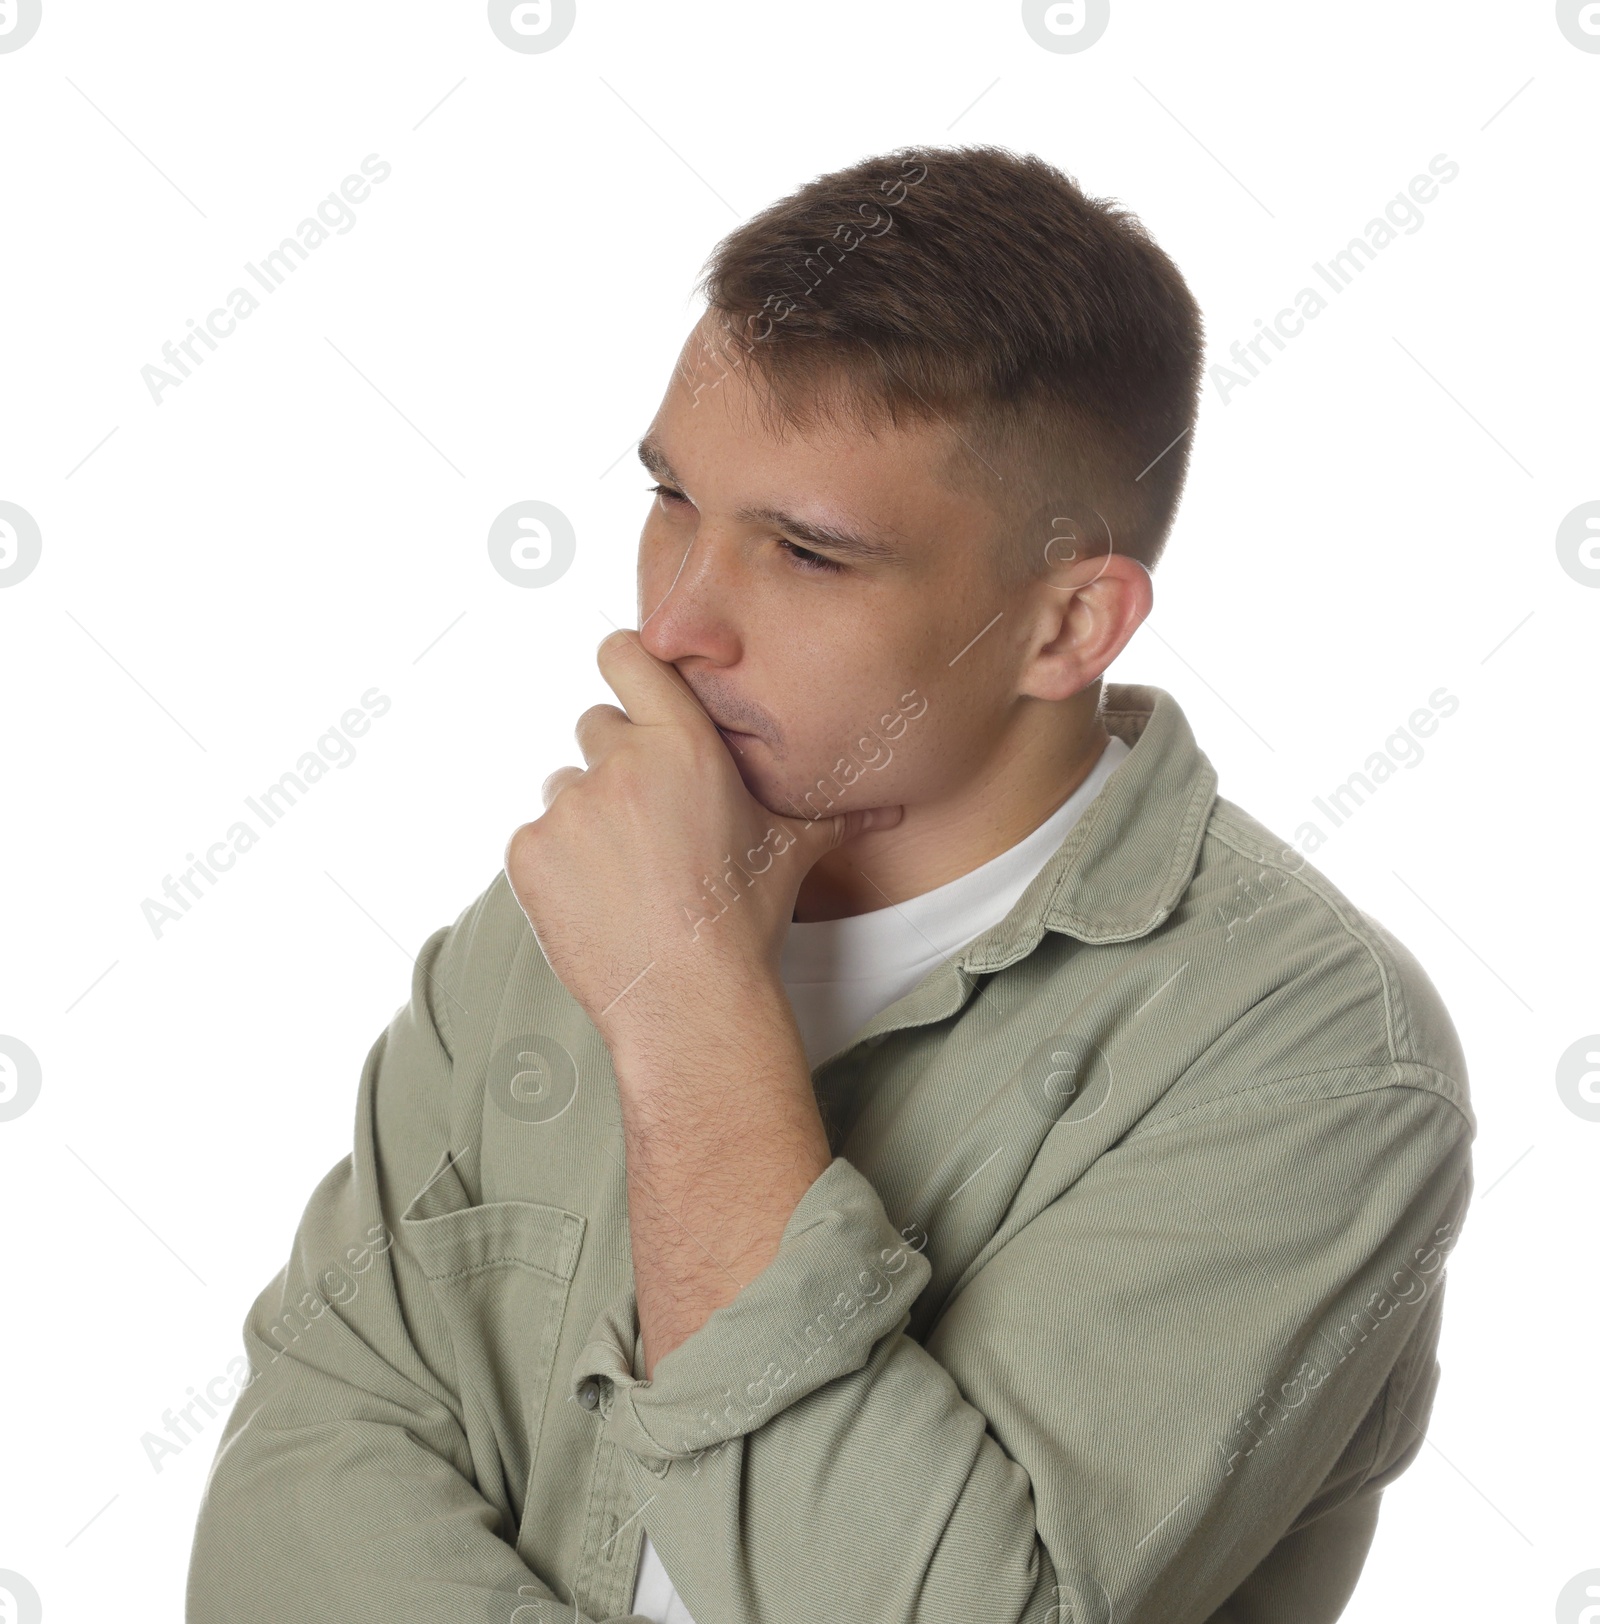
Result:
[
  {"x": 1364, "y": 938},
  {"x": 1379, "y": 1082}
]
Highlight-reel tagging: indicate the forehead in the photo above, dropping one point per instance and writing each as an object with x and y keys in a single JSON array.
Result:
[{"x": 719, "y": 419}]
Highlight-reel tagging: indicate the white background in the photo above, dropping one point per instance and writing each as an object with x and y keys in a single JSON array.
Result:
[{"x": 1372, "y": 518}]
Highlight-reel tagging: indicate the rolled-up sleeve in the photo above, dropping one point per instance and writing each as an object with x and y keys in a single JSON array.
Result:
[
  {"x": 839, "y": 1255},
  {"x": 1118, "y": 1414}
]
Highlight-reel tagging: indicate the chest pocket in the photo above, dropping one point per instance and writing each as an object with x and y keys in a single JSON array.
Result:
[{"x": 500, "y": 1274}]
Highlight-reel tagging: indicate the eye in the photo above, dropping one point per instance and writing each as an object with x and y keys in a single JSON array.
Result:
[
  {"x": 810, "y": 562},
  {"x": 805, "y": 560}
]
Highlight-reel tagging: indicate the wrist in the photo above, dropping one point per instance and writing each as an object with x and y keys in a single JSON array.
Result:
[{"x": 742, "y": 1013}]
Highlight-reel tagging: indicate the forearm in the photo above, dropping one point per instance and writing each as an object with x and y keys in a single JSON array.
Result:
[
  {"x": 723, "y": 1137},
  {"x": 881, "y": 1492},
  {"x": 1078, "y": 1413}
]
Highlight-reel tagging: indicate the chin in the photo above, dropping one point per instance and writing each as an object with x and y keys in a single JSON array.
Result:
[
  {"x": 771, "y": 797},
  {"x": 774, "y": 794}
]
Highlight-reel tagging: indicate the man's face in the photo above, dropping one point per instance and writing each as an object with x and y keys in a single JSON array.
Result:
[{"x": 839, "y": 680}]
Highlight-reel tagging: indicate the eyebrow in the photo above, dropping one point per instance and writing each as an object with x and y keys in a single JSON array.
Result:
[{"x": 831, "y": 538}]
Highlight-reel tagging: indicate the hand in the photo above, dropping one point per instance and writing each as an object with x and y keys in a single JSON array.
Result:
[{"x": 659, "y": 888}]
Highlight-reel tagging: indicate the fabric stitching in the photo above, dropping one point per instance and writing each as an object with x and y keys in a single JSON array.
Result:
[
  {"x": 1222, "y": 835},
  {"x": 494, "y": 1262},
  {"x": 1184, "y": 854},
  {"x": 1381, "y": 1081}
]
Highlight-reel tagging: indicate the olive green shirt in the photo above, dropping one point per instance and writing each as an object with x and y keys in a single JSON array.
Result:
[{"x": 1119, "y": 1300}]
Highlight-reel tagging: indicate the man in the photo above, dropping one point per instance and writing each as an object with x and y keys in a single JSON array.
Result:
[{"x": 893, "y": 1143}]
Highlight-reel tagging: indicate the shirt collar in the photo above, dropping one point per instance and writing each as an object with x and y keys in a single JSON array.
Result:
[
  {"x": 1127, "y": 862},
  {"x": 1121, "y": 870}
]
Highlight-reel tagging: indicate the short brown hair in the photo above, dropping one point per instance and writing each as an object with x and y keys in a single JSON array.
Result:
[{"x": 981, "y": 288}]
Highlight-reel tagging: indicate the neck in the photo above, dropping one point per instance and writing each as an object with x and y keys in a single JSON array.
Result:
[{"x": 1035, "y": 766}]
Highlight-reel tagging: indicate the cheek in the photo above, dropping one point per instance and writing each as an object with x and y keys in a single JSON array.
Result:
[{"x": 870, "y": 750}]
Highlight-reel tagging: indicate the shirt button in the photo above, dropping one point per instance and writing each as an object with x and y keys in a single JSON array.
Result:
[{"x": 589, "y": 1393}]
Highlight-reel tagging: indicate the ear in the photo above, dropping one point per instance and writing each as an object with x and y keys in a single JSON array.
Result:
[{"x": 1084, "y": 615}]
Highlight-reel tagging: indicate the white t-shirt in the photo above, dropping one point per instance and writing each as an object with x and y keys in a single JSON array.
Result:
[{"x": 839, "y": 973}]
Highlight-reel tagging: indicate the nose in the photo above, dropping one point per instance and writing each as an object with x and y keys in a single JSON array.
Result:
[{"x": 686, "y": 600}]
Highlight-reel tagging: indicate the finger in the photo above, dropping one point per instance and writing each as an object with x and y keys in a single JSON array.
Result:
[
  {"x": 558, "y": 781},
  {"x": 651, "y": 690},
  {"x": 820, "y": 835},
  {"x": 599, "y": 730},
  {"x": 872, "y": 817}
]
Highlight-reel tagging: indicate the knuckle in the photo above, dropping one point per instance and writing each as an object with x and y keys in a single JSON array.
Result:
[{"x": 521, "y": 847}]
